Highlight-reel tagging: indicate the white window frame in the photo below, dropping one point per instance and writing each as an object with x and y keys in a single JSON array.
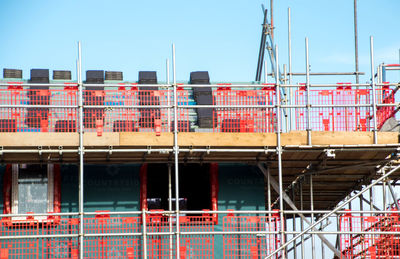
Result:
[{"x": 14, "y": 192}]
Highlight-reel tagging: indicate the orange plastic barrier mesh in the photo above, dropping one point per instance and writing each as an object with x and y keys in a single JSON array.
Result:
[
  {"x": 112, "y": 246},
  {"x": 251, "y": 246},
  {"x": 342, "y": 118},
  {"x": 149, "y": 119},
  {"x": 106, "y": 114},
  {"x": 373, "y": 246},
  {"x": 39, "y": 113},
  {"x": 244, "y": 119},
  {"x": 385, "y": 96},
  {"x": 42, "y": 118},
  {"x": 191, "y": 246},
  {"x": 52, "y": 248}
]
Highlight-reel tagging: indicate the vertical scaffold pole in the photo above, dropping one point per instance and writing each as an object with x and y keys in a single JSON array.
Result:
[
  {"x": 294, "y": 225},
  {"x": 168, "y": 97},
  {"x": 269, "y": 192},
  {"x": 144, "y": 233},
  {"x": 290, "y": 70},
  {"x": 373, "y": 90},
  {"x": 308, "y": 96},
  {"x": 170, "y": 209},
  {"x": 269, "y": 196},
  {"x": 176, "y": 151},
  {"x": 362, "y": 217},
  {"x": 279, "y": 147},
  {"x": 81, "y": 150},
  {"x": 312, "y": 215},
  {"x": 356, "y": 42},
  {"x": 302, "y": 221},
  {"x": 378, "y": 74},
  {"x": 287, "y": 118}
]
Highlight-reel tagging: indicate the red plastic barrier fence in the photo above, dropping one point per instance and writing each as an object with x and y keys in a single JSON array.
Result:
[
  {"x": 134, "y": 119},
  {"x": 105, "y": 118},
  {"x": 385, "y": 96},
  {"x": 251, "y": 246},
  {"x": 38, "y": 119},
  {"x": 342, "y": 118},
  {"x": 191, "y": 246},
  {"x": 130, "y": 246},
  {"x": 244, "y": 119},
  {"x": 373, "y": 246},
  {"x": 109, "y": 117},
  {"x": 112, "y": 246},
  {"x": 65, "y": 247}
]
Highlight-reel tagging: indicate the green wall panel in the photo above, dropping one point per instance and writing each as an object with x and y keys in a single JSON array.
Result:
[
  {"x": 241, "y": 187},
  {"x": 107, "y": 187}
]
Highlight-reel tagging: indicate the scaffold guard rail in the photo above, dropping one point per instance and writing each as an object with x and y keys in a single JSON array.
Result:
[
  {"x": 115, "y": 236},
  {"x": 128, "y": 108}
]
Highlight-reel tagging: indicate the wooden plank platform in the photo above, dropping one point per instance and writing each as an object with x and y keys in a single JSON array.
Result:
[
  {"x": 134, "y": 139},
  {"x": 356, "y": 157}
]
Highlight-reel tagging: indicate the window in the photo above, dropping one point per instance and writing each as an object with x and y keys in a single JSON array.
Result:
[
  {"x": 198, "y": 187},
  {"x": 31, "y": 189}
]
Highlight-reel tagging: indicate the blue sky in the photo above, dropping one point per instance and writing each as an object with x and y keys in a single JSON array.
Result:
[{"x": 219, "y": 36}]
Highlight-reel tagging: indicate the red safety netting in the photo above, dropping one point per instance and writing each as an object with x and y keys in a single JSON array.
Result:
[
  {"x": 358, "y": 246},
  {"x": 159, "y": 245},
  {"x": 244, "y": 119},
  {"x": 107, "y": 117},
  {"x": 19, "y": 248},
  {"x": 52, "y": 248},
  {"x": 251, "y": 245},
  {"x": 191, "y": 246},
  {"x": 134, "y": 119},
  {"x": 38, "y": 119},
  {"x": 60, "y": 247},
  {"x": 385, "y": 95},
  {"x": 112, "y": 246},
  {"x": 342, "y": 118}
]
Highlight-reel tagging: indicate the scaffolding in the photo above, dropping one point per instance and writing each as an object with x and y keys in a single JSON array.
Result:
[{"x": 318, "y": 146}]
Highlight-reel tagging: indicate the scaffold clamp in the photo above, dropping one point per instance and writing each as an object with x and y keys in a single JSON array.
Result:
[{"x": 330, "y": 153}]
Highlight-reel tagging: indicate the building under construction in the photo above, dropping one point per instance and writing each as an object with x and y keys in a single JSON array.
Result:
[{"x": 99, "y": 167}]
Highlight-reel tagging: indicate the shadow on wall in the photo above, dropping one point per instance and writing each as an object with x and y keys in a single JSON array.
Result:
[
  {"x": 241, "y": 187},
  {"x": 107, "y": 187}
]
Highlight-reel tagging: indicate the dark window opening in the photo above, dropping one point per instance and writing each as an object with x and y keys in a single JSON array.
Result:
[{"x": 194, "y": 187}]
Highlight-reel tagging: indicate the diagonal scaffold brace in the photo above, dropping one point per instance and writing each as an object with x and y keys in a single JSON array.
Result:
[
  {"x": 289, "y": 201},
  {"x": 312, "y": 226}
]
